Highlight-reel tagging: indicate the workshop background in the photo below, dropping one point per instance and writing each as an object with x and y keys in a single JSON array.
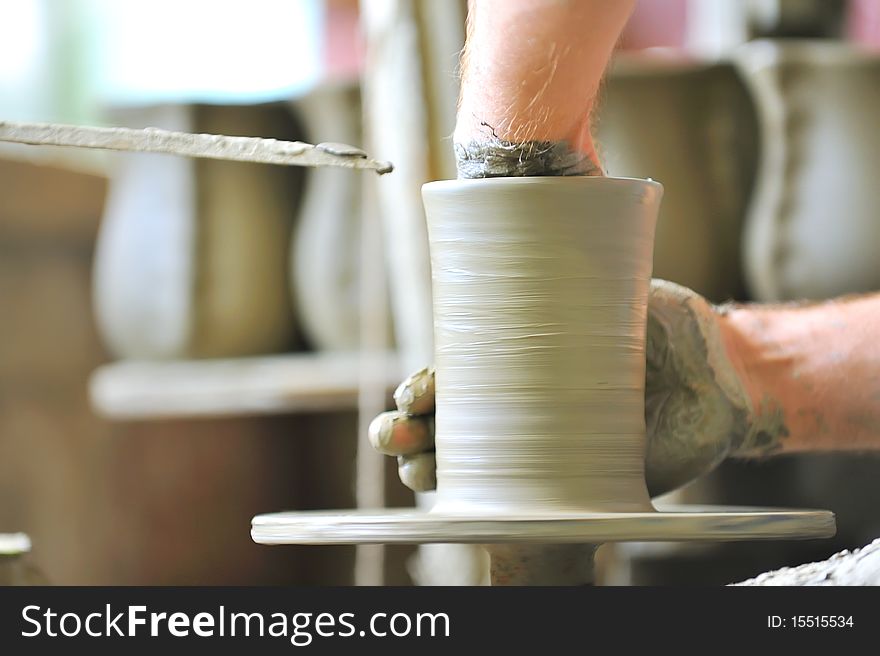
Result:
[{"x": 185, "y": 344}]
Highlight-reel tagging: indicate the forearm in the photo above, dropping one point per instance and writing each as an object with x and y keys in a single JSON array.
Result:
[
  {"x": 811, "y": 372},
  {"x": 530, "y": 74}
]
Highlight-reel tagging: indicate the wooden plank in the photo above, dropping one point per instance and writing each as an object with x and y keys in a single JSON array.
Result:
[
  {"x": 279, "y": 384},
  {"x": 211, "y": 146}
]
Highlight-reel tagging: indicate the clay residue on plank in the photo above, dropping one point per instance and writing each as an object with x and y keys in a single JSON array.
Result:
[{"x": 859, "y": 567}]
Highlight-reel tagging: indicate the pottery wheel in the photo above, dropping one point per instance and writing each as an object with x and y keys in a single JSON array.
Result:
[
  {"x": 540, "y": 295},
  {"x": 672, "y": 523}
]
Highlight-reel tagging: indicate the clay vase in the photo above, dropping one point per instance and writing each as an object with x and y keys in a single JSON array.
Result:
[
  {"x": 694, "y": 126},
  {"x": 813, "y": 228},
  {"x": 326, "y": 249},
  {"x": 191, "y": 259},
  {"x": 540, "y": 303}
]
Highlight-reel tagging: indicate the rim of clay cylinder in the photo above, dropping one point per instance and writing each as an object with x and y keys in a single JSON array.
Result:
[{"x": 573, "y": 180}]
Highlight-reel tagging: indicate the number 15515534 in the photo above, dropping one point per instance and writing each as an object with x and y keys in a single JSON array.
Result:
[{"x": 810, "y": 622}]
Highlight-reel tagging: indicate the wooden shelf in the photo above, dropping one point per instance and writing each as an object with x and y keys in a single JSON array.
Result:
[{"x": 279, "y": 384}]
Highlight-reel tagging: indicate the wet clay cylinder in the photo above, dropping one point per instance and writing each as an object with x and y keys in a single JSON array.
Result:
[{"x": 540, "y": 302}]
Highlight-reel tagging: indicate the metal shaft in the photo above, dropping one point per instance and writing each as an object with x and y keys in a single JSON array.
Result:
[{"x": 541, "y": 564}]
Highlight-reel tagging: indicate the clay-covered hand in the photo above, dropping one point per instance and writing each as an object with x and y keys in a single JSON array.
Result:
[{"x": 697, "y": 411}]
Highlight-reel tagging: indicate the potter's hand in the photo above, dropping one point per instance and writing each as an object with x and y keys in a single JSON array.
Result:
[
  {"x": 696, "y": 408},
  {"x": 697, "y": 411},
  {"x": 408, "y": 433}
]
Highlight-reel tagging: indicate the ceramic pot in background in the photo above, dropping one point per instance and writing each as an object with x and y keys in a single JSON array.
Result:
[
  {"x": 326, "y": 265},
  {"x": 814, "y": 223},
  {"x": 693, "y": 127},
  {"x": 144, "y": 262},
  {"x": 191, "y": 259}
]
